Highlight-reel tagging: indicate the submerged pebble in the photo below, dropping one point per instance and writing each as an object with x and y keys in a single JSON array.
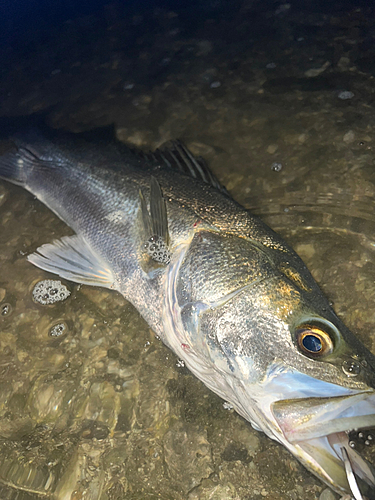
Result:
[
  {"x": 215, "y": 85},
  {"x": 327, "y": 494},
  {"x": 50, "y": 291},
  {"x": 344, "y": 95}
]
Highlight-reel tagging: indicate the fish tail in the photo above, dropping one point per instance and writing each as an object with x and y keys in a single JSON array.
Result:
[
  {"x": 13, "y": 168},
  {"x": 20, "y": 159}
]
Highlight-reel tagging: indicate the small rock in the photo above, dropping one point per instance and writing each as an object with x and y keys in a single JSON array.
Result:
[
  {"x": 271, "y": 65},
  {"x": 138, "y": 138},
  {"x": 236, "y": 451},
  {"x": 215, "y": 85},
  {"x": 310, "y": 73},
  {"x": 272, "y": 148},
  {"x": 187, "y": 455},
  {"x": 174, "y": 32},
  {"x": 344, "y": 95},
  {"x": 214, "y": 492},
  {"x": 142, "y": 101},
  {"x": 349, "y": 137},
  {"x": 2, "y": 294},
  {"x": 343, "y": 63},
  {"x": 208, "y": 76},
  {"x": 165, "y": 61},
  {"x": 327, "y": 494},
  {"x": 201, "y": 149},
  {"x": 282, "y": 8},
  {"x": 204, "y": 47}
]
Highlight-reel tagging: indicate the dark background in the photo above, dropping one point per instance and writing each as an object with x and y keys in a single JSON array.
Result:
[{"x": 22, "y": 21}]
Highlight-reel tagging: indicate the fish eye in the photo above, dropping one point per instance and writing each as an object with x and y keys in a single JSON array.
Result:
[{"x": 314, "y": 341}]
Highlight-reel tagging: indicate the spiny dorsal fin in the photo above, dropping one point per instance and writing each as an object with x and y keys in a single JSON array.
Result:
[
  {"x": 176, "y": 155},
  {"x": 155, "y": 224}
]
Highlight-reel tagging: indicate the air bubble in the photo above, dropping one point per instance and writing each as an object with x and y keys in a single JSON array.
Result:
[
  {"x": 276, "y": 167},
  {"x": 5, "y": 309},
  {"x": 351, "y": 368}
]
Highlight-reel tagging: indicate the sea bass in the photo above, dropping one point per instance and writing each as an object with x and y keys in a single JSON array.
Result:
[{"x": 219, "y": 287}]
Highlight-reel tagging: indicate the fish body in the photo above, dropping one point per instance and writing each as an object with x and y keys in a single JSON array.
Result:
[{"x": 219, "y": 287}]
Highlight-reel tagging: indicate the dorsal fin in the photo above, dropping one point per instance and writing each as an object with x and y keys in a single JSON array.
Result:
[{"x": 175, "y": 155}]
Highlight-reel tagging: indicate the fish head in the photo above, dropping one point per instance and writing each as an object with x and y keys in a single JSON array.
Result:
[{"x": 274, "y": 348}]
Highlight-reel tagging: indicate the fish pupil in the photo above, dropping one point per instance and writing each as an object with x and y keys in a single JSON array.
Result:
[{"x": 312, "y": 343}]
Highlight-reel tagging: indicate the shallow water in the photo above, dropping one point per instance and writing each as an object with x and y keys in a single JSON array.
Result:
[{"x": 106, "y": 411}]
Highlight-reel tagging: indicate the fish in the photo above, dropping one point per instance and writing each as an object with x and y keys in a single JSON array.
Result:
[{"x": 220, "y": 288}]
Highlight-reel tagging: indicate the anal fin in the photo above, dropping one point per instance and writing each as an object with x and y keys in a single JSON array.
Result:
[{"x": 72, "y": 258}]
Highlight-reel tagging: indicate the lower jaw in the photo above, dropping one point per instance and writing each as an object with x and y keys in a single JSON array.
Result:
[{"x": 325, "y": 457}]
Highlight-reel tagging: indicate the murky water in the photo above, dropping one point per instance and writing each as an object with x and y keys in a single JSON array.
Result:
[{"x": 104, "y": 411}]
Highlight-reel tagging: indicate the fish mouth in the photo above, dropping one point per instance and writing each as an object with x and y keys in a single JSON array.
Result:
[{"x": 316, "y": 430}]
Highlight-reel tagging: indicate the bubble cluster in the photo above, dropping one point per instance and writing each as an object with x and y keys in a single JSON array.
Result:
[
  {"x": 58, "y": 330},
  {"x": 157, "y": 250},
  {"x": 359, "y": 439},
  {"x": 50, "y": 291}
]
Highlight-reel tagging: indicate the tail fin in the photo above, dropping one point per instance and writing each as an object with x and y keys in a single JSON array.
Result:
[
  {"x": 24, "y": 152},
  {"x": 12, "y": 167}
]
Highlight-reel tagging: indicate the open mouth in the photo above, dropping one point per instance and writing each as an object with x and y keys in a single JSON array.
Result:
[
  {"x": 340, "y": 465},
  {"x": 317, "y": 431}
]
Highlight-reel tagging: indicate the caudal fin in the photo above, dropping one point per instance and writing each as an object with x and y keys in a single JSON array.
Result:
[
  {"x": 22, "y": 154},
  {"x": 12, "y": 167}
]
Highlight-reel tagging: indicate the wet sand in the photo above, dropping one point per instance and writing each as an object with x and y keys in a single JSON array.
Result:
[{"x": 280, "y": 103}]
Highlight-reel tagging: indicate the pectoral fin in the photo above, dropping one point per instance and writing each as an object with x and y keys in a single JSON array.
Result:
[
  {"x": 155, "y": 225},
  {"x": 73, "y": 259}
]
